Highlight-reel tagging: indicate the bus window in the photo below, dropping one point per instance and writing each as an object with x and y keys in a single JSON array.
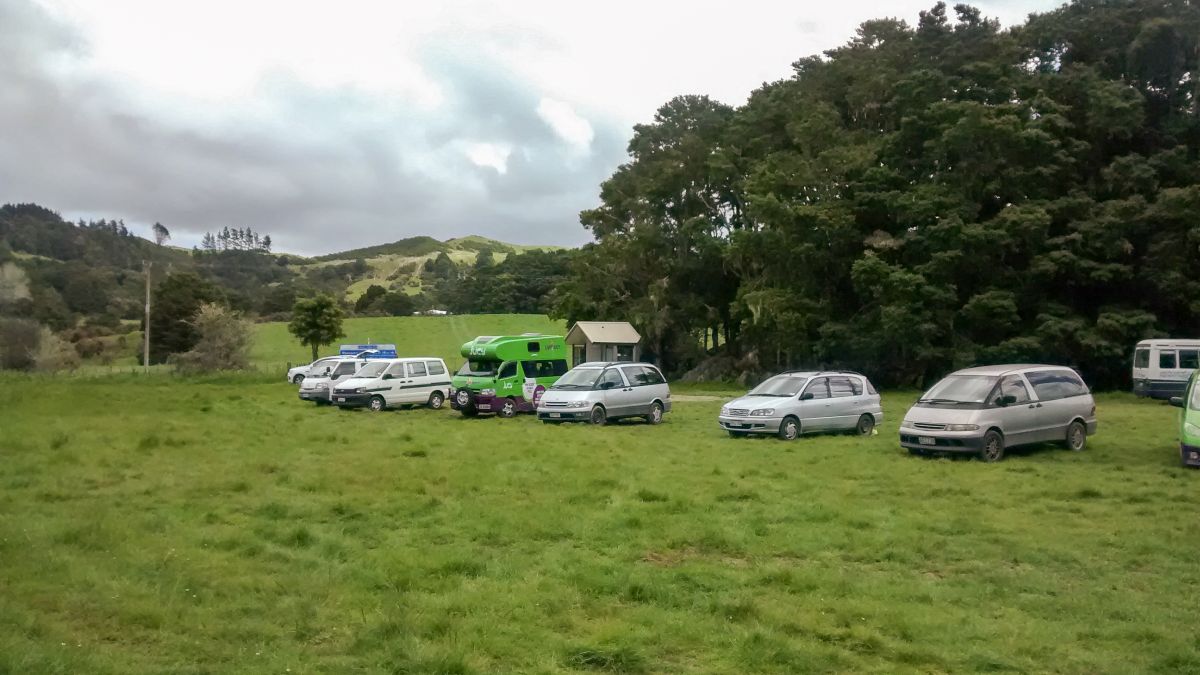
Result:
[
  {"x": 1141, "y": 358},
  {"x": 1189, "y": 358},
  {"x": 1166, "y": 359}
]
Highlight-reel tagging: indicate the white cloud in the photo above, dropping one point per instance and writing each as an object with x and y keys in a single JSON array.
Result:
[
  {"x": 491, "y": 155},
  {"x": 566, "y": 123}
]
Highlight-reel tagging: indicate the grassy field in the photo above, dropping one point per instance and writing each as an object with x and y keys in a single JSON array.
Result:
[
  {"x": 413, "y": 335},
  {"x": 224, "y": 526}
]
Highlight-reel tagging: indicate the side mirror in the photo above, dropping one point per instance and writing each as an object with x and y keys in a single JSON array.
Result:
[
  {"x": 1176, "y": 401},
  {"x": 806, "y": 396},
  {"x": 1006, "y": 400},
  {"x": 388, "y": 376}
]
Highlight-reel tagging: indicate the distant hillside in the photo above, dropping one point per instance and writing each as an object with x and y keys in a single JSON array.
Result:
[{"x": 416, "y": 247}]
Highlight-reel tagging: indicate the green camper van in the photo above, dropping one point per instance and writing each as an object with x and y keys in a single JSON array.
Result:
[{"x": 506, "y": 374}]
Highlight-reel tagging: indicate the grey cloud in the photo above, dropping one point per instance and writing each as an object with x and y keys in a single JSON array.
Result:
[{"x": 328, "y": 169}]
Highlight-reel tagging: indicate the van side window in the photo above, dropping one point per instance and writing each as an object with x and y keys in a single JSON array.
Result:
[
  {"x": 1141, "y": 358},
  {"x": 436, "y": 368},
  {"x": 635, "y": 374},
  {"x": 1189, "y": 358},
  {"x": 395, "y": 370},
  {"x": 544, "y": 368},
  {"x": 819, "y": 388},
  {"x": 652, "y": 376},
  {"x": 507, "y": 370},
  {"x": 1012, "y": 385},
  {"x": 416, "y": 369},
  {"x": 1056, "y": 384},
  {"x": 611, "y": 375},
  {"x": 1166, "y": 359},
  {"x": 839, "y": 387}
]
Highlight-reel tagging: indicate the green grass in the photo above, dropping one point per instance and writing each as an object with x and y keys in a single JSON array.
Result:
[
  {"x": 413, "y": 335},
  {"x": 221, "y": 525}
]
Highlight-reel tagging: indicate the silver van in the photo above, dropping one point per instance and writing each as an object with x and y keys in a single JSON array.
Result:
[
  {"x": 599, "y": 392},
  {"x": 801, "y": 402},
  {"x": 987, "y": 409},
  {"x": 318, "y": 385}
]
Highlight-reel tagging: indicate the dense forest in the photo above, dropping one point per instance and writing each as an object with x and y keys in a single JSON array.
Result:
[{"x": 924, "y": 197}]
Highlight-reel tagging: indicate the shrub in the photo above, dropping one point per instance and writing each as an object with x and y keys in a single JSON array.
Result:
[
  {"x": 53, "y": 353},
  {"x": 18, "y": 341},
  {"x": 224, "y": 342}
]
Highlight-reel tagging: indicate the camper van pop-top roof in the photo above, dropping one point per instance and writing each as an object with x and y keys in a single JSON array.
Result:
[{"x": 515, "y": 347}]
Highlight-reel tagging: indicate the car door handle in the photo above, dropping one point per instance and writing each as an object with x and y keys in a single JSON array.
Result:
[{"x": 1035, "y": 405}]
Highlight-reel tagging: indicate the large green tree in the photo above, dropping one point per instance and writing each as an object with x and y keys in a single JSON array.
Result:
[
  {"x": 175, "y": 301},
  {"x": 316, "y": 322}
]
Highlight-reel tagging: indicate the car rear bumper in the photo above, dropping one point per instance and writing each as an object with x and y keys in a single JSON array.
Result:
[
  {"x": 749, "y": 424},
  {"x": 943, "y": 441}
]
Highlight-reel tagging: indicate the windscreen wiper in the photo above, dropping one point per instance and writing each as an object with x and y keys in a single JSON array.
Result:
[{"x": 938, "y": 400}]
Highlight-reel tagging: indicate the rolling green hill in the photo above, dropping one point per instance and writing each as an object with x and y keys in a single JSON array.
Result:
[
  {"x": 398, "y": 265},
  {"x": 413, "y": 335}
]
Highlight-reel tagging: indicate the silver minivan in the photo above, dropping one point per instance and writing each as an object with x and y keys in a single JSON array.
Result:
[
  {"x": 599, "y": 392},
  {"x": 987, "y": 409},
  {"x": 801, "y": 402}
]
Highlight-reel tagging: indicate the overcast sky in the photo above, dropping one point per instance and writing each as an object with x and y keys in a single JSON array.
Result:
[{"x": 337, "y": 125}]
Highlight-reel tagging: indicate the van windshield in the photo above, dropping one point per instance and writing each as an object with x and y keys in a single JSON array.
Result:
[
  {"x": 372, "y": 369},
  {"x": 580, "y": 378},
  {"x": 960, "y": 389},
  {"x": 475, "y": 368},
  {"x": 780, "y": 385}
]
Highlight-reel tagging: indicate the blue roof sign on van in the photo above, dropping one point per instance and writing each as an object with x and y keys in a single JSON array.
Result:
[{"x": 369, "y": 351}]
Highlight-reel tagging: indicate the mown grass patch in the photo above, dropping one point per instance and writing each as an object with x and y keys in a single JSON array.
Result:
[{"x": 139, "y": 533}]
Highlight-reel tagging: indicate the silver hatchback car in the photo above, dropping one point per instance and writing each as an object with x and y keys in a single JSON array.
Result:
[
  {"x": 599, "y": 392},
  {"x": 987, "y": 409},
  {"x": 801, "y": 402}
]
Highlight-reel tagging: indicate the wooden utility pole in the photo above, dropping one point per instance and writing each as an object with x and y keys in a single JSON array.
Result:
[{"x": 146, "y": 265}]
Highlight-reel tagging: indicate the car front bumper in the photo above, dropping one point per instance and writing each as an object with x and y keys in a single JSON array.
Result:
[
  {"x": 479, "y": 402},
  {"x": 942, "y": 441},
  {"x": 1189, "y": 454},
  {"x": 350, "y": 400},
  {"x": 564, "y": 414},
  {"x": 314, "y": 395},
  {"x": 750, "y": 424}
]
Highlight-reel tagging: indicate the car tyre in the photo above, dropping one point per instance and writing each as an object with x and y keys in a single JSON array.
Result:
[
  {"x": 599, "y": 417},
  {"x": 1076, "y": 439},
  {"x": 298, "y": 380},
  {"x": 656, "y": 413},
  {"x": 377, "y": 404},
  {"x": 866, "y": 424},
  {"x": 789, "y": 428},
  {"x": 436, "y": 400},
  {"x": 993, "y": 447},
  {"x": 508, "y": 408}
]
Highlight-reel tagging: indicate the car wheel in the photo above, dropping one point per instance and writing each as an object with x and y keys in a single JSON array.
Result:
[
  {"x": 656, "y": 413},
  {"x": 737, "y": 434},
  {"x": 866, "y": 424},
  {"x": 377, "y": 403},
  {"x": 436, "y": 400},
  {"x": 1076, "y": 436},
  {"x": 993, "y": 447},
  {"x": 508, "y": 408},
  {"x": 599, "y": 417},
  {"x": 789, "y": 429},
  {"x": 298, "y": 380}
]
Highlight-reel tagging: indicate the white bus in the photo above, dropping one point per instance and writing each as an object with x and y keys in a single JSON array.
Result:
[{"x": 1161, "y": 368}]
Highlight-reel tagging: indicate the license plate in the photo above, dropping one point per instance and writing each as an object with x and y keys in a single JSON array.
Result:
[
  {"x": 341, "y": 400},
  {"x": 927, "y": 440},
  {"x": 556, "y": 414},
  {"x": 485, "y": 406}
]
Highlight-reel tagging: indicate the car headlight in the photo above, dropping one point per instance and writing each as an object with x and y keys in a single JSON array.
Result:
[
  {"x": 576, "y": 404},
  {"x": 725, "y": 410},
  {"x": 487, "y": 392},
  {"x": 1191, "y": 429},
  {"x": 452, "y": 390},
  {"x": 962, "y": 427},
  {"x": 762, "y": 412}
]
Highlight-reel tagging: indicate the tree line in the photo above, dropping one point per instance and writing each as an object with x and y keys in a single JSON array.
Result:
[{"x": 922, "y": 198}]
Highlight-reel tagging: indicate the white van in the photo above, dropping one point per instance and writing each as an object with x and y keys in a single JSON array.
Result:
[
  {"x": 1161, "y": 368},
  {"x": 383, "y": 383},
  {"x": 317, "y": 385}
]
